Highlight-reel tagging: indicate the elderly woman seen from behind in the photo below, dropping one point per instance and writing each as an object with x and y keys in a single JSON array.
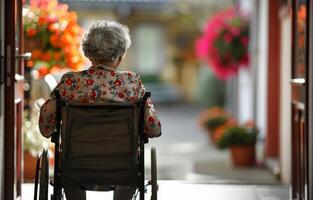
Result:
[{"x": 105, "y": 45}]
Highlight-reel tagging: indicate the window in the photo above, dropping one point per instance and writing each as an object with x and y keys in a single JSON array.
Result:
[{"x": 149, "y": 48}]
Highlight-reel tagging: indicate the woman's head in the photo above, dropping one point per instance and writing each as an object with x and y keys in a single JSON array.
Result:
[{"x": 106, "y": 41}]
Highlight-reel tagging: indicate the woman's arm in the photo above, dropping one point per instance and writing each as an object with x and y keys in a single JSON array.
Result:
[
  {"x": 152, "y": 124},
  {"x": 47, "y": 117}
]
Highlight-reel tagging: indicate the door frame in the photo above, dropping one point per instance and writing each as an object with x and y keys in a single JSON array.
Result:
[
  {"x": 301, "y": 84},
  {"x": 1, "y": 97},
  {"x": 310, "y": 102},
  {"x": 9, "y": 68},
  {"x": 13, "y": 100}
]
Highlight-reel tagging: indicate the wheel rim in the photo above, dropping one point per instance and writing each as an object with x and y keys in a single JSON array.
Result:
[
  {"x": 44, "y": 176},
  {"x": 154, "y": 177}
]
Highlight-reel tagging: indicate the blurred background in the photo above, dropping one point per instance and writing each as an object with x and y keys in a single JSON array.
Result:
[{"x": 206, "y": 64}]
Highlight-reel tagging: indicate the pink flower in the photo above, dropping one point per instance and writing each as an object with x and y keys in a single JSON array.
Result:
[
  {"x": 234, "y": 30},
  {"x": 224, "y": 27},
  {"x": 228, "y": 38},
  {"x": 244, "y": 40}
]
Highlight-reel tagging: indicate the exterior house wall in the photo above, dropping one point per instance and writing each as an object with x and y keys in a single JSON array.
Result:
[
  {"x": 252, "y": 82},
  {"x": 285, "y": 94}
]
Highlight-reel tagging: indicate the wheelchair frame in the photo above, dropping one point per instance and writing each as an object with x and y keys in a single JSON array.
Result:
[{"x": 56, "y": 183}]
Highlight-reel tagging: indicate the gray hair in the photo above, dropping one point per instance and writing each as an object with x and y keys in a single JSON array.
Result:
[{"x": 106, "y": 40}]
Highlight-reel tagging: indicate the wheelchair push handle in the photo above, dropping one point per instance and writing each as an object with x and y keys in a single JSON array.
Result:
[
  {"x": 146, "y": 96},
  {"x": 57, "y": 94}
]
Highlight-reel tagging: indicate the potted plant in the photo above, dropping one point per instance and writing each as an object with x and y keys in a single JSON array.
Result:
[
  {"x": 53, "y": 36},
  {"x": 213, "y": 118},
  {"x": 241, "y": 140}
]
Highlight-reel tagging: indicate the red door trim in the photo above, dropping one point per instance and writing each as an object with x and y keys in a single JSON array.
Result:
[{"x": 273, "y": 99}]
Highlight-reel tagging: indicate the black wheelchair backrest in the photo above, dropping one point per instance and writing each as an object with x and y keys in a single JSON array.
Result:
[{"x": 99, "y": 143}]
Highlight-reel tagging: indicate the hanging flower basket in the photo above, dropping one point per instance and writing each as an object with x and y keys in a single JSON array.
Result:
[
  {"x": 53, "y": 37},
  {"x": 224, "y": 43}
]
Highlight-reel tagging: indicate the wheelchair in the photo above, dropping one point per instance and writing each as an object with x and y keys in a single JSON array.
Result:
[{"x": 99, "y": 144}]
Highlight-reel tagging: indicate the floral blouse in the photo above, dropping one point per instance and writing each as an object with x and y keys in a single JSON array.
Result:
[{"x": 99, "y": 84}]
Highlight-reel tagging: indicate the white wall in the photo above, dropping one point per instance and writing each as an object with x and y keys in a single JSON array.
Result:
[
  {"x": 261, "y": 70},
  {"x": 245, "y": 78},
  {"x": 252, "y": 82},
  {"x": 285, "y": 98},
  {"x": 245, "y": 95}
]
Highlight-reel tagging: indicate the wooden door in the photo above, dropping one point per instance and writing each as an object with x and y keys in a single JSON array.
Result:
[
  {"x": 13, "y": 98},
  {"x": 1, "y": 90},
  {"x": 310, "y": 104},
  {"x": 300, "y": 104}
]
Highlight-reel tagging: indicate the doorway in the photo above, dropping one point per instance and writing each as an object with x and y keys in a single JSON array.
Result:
[{"x": 1, "y": 93}]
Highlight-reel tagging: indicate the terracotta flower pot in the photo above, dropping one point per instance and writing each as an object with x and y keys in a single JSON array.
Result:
[
  {"x": 29, "y": 166},
  {"x": 243, "y": 156}
]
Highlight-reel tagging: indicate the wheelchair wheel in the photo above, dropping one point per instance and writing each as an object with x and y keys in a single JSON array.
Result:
[
  {"x": 42, "y": 176},
  {"x": 154, "y": 177}
]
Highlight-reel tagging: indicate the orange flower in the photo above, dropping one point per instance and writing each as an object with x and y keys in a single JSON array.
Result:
[
  {"x": 72, "y": 17},
  {"x": 42, "y": 20},
  {"x": 60, "y": 26},
  {"x": 73, "y": 61},
  {"x": 52, "y": 4},
  {"x": 43, "y": 70},
  {"x": 29, "y": 63},
  {"x": 66, "y": 38},
  {"x": 57, "y": 55},
  {"x": 74, "y": 29},
  {"x": 54, "y": 27},
  {"x": 46, "y": 56},
  {"x": 219, "y": 132},
  {"x": 55, "y": 69},
  {"x": 54, "y": 40},
  {"x": 36, "y": 54},
  {"x": 78, "y": 67},
  {"x": 31, "y": 32}
]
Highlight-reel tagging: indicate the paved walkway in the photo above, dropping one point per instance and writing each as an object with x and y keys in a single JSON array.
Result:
[
  {"x": 185, "y": 152},
  {"x": 186, "y": 191},
  {"x": 204, "y": 172}
]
